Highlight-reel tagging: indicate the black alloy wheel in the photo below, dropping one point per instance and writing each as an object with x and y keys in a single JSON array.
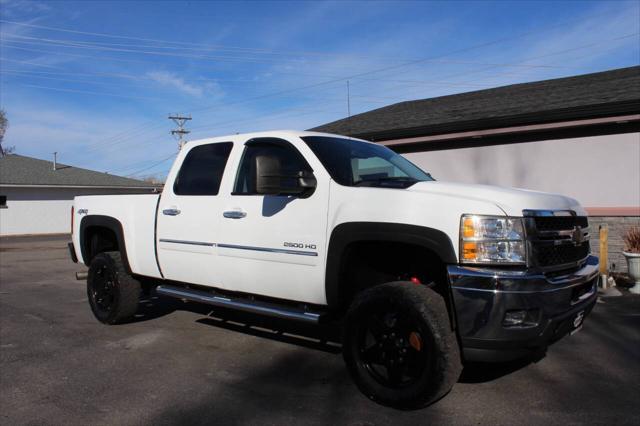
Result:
[
  {"x": 113, "y": 293},
  {"x": 399, "y": 346},
  {"x": 392, "y": 348},
  {"x": 102, "y": 290}
]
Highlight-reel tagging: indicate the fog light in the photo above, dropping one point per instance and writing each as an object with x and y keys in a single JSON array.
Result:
[{"x": 521, "y": 318}]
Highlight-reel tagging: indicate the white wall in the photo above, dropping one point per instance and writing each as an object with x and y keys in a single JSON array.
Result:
[
  {"x": 599, "y": 171},
  {"x": 42, "y": 210}
]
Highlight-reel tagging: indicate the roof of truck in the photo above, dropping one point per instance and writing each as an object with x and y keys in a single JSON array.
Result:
[{"x": 242, "y": 137}]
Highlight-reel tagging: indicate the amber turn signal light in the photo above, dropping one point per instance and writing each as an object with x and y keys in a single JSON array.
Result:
[{"x": 469, "y": 251}]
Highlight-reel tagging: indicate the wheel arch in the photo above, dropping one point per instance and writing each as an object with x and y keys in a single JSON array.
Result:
[
  {"x": 102, "y": 226},
  {"x": 347, "y": 234}
]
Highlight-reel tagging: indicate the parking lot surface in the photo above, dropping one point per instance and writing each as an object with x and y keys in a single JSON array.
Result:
[{"x": 178, "y": 365}]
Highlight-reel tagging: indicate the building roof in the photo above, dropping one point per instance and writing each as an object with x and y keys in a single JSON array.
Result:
[
  {"x": 587, "y": 96},
  {"x": 27, "y": 171}
]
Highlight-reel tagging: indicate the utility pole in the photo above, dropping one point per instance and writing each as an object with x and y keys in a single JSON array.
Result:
[{"x": 180, "y": 132}]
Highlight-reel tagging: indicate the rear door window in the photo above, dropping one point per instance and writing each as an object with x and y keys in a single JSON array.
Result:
[{"x": 202, "y": 170}]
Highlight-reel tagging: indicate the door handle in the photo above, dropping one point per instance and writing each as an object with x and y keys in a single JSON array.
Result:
[
  {"x": 171, "y": 211},
  {"x": 234, "y": 214}
]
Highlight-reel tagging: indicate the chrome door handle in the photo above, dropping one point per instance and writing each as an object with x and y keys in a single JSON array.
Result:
[
  {"x": 171, "y": 212},
  {"x": 234, "y": 214}
]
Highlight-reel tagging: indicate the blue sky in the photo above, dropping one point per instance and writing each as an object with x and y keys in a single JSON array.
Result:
[{"x": 95, "y": 80}]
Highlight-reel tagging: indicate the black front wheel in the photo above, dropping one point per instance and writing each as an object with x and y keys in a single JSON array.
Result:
[
  {"x": 399, "y": 347},
  {"x": 113, "y": 294}
]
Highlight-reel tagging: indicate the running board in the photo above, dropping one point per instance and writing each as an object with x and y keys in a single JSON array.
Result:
[{"x": 247, "y": 305}]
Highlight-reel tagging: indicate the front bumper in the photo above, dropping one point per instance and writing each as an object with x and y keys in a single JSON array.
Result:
[{"x": 483, "y": 296}]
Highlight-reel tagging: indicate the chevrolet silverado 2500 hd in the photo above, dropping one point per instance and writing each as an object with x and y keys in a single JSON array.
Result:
[{"x": 422, "y": 275}]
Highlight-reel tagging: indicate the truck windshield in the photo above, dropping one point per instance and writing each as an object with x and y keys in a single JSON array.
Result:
[{"x": 356, "y": 163}]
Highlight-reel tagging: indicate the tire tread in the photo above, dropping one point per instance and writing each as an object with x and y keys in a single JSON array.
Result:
[
  {"x": 129, "y": 289},
  {"x": 432, "y": 308}
]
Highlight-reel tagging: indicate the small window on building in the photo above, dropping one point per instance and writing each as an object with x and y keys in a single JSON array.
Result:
[
  {"x": 202, "y": 170},
  {"x": 3, "y": 202}
]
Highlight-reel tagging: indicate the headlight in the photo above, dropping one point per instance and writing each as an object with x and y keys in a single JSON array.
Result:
[{"x": 492, "y": 239}]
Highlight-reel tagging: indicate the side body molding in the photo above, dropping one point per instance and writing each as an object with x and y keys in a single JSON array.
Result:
[
  {"x": 102, "y": 222},
  {"x": 347, "y": 233}
]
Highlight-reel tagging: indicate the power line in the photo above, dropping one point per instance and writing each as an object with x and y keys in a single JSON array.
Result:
[
  {"x": 374, "y": 71},
  {"x": 109, "y": 145},
  {"x": 86, "y": 92},
  {"x": 218, "y": 80},
  {"x": 73, "y": 80},
  {"x": 101, "y": 46},
  {"x": 29, "y": 63},
  {"x": 147, "y": 52},
  {"x": 555, "y": 53},
  {"x": 172, "y": 44},
  {"x": 299, "y": 112},
  {"x": 180, "y": 43},
  {"x": 152, "y": 166},
  {"x": 76, "y": 55},
  {"x": 357, "y": 76}
]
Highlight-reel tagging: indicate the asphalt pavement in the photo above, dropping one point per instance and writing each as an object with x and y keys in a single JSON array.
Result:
[{"x": 186, "y": 364}]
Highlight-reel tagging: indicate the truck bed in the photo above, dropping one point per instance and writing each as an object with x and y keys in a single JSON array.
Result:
[{"x": 137, "y": 216}]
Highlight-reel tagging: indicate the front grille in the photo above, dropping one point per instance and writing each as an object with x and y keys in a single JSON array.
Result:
[
  {"x": 557, "y": 241},
  {"x": 559, "y": 223},
  {"x": 550, "y": 255}
]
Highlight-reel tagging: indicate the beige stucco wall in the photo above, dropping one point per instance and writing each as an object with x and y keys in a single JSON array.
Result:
[{"x": 599, "y": 171}]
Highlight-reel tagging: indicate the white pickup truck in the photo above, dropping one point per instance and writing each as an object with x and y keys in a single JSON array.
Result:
[{"x": 422, "y": 275}]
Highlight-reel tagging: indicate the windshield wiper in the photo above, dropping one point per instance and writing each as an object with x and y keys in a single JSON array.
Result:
[{"x": 399, "y": 179}]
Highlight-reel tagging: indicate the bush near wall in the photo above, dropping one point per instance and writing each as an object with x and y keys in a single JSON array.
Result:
[{"x": 618, "y": 226}]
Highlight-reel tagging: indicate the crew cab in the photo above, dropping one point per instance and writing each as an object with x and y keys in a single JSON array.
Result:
[{"x": 422, "y": 275}]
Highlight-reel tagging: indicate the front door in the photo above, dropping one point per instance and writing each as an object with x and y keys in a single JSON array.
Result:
[
  {"x": 189, "y": 217},
  {"x": 274, "y": 245}
]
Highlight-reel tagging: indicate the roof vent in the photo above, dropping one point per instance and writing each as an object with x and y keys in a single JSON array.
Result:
[{"x": 55, "y": 161}]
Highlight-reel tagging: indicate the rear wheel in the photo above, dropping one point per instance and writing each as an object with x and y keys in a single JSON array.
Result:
[
  {"x": 113, "y": 294},
  {"x": 399, "y": 346}
]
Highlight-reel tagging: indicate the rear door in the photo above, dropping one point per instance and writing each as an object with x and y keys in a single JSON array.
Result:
[
  {"x": 274, "y": 245},
  {"x": 189, "y": 217}
]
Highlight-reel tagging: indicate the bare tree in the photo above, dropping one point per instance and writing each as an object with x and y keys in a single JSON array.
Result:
[{"x": 4, "y": 123}]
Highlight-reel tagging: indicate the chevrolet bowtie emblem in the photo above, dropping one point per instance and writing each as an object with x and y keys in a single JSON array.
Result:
[{"x": 578, "y": 236}]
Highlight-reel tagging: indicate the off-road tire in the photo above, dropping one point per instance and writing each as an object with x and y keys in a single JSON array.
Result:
[
  {"x": 438, "y": 361},
  {"x": 124, "y": 290}
]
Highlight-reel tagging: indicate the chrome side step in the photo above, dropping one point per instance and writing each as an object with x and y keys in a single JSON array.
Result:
[{"x": 247, "y": 305}]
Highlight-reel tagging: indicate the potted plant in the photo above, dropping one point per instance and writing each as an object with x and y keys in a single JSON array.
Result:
[{"x": 632, "y": 253}]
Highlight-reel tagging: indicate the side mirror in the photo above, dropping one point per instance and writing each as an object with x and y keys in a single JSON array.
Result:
[{"x": 271, "y": 179}]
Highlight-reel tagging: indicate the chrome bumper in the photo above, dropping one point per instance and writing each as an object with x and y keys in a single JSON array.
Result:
[{"x": 483, "y": 296}]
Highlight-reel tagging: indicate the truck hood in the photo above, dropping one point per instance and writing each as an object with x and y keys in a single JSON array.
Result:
[{"x": 511, "y": 200}]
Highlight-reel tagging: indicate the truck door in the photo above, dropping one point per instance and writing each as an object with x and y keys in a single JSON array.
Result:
[
  {"x": 274, "y": 245},
  {"x": 189, "y": 217}
]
